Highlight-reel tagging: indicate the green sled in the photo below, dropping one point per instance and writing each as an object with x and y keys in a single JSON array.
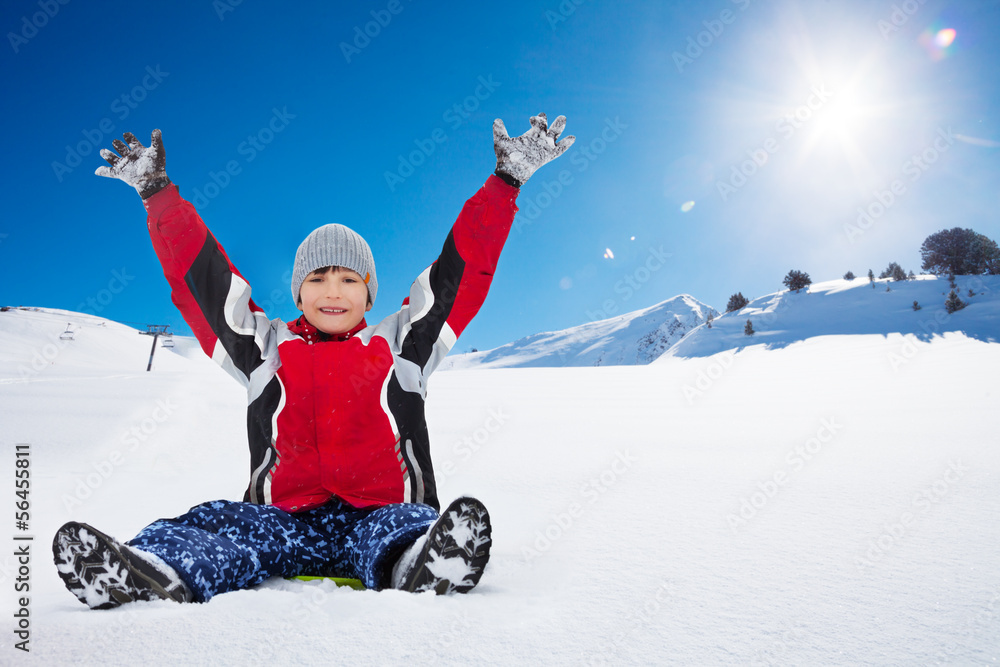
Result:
[{"x": 340, "y": 581}]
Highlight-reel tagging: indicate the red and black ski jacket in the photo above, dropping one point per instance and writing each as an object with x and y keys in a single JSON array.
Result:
[{"x": 333, "y": 416}]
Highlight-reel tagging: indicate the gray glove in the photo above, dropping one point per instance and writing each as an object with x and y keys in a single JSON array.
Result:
[
  {"x": 145, "y": 169},
  {"x": 518, "y": 158}
]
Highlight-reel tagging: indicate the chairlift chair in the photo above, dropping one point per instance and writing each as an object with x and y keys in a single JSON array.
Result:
[
  {"x": 68, "y": 334},
  {"x": 168, "y": 340}
]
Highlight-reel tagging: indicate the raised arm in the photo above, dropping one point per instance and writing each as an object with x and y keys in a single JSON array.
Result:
[
  {"x": 205, "y": 286},
  {"x": 445, "y": 297}
]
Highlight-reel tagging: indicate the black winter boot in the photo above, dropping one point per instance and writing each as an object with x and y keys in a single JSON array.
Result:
[
  {"x": 451, "y": 557},
  {"x": 103, "y": 573}
]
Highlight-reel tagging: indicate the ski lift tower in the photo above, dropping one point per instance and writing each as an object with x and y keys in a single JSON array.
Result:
[{"x": 155, "y": 330}]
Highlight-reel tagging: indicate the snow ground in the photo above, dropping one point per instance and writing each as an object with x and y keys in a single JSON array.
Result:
[{"x": 831, "y": 501}]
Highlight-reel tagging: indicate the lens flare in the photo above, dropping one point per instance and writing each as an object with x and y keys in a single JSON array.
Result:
[
  {"x": 608, "y": 254},
  {"x": 687, "y": 206},
  {"x": 945, "y": 37},
  {"x": 938, "y": 43}
]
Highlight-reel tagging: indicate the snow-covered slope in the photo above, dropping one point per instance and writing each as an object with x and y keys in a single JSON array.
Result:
[
  {"x": 814, "y": 504},
  {"x": 843, "y": 307},
  {"x": 631, "y": 339},
  {"x": 677, "y": 327},
  {"x": 33, "y": 343}
]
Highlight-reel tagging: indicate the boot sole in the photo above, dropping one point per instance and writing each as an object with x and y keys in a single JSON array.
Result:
[
  {"x": 456, "y": 552},
  {"x": 102, "y": 574}
]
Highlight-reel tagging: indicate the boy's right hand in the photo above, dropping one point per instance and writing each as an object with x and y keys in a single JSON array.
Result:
[{"x": 145, "y": 169}]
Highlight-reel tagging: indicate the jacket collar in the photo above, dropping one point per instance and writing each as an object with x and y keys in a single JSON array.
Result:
[{"x": 302, "y": 327}]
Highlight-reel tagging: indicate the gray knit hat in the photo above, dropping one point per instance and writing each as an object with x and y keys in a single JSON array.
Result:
[{"x": 334, "y": 245}]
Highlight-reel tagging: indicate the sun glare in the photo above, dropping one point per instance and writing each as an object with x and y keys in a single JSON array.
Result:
[
  {"x": 938, "y": 43},
  {"x": 945, "y": 37}
]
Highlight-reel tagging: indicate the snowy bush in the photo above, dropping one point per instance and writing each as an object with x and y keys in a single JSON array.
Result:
[
  {"x": 894, "y": 271},
  {"x": 736, "y": 302},
  {"x": 849, "y": 275},
  {"x": 796, "y": 280},
  {"x": 953, "y": 303}
]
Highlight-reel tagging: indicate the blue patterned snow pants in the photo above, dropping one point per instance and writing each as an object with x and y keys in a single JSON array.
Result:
[{"x": 223, "y": 546}]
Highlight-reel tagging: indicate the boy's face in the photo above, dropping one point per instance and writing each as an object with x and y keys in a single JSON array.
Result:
[{"x": 334, "y": 300}]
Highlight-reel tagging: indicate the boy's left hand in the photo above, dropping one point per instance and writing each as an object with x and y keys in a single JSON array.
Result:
[{"x": 519, "y": 157}]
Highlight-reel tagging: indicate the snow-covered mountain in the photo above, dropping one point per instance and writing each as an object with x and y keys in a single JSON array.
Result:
[
  {"x": 677, "y": 327},
  {"x": 853, "y": 307},
  {"x": 631, "y": 339},
  {"x": 807, "y": 499}
]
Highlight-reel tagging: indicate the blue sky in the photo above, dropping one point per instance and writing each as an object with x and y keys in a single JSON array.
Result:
[{"x": 719, "y": 144}]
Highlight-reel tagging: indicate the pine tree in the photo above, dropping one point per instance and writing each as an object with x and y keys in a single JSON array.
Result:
[
  {"x": 796, "y": 280},
  {"x": 959, "y": 251},
  {"x": 710, "y": 319},
  {"x": 849, "y": 275},
  {"x": 954, "y": 304},
  {"x": 748, "y": 329},
  {"x": 736, "y": 302},
  {"x": 894, "y": 271},
  {"x": 871, "y": 278}
]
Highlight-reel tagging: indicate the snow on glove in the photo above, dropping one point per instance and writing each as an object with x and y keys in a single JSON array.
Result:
[
  {"x": 518, "y": 158},
  {"x": 145, "y": 169}
]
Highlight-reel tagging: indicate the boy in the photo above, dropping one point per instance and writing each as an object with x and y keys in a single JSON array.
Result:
[{"x": 341, "y": 480}]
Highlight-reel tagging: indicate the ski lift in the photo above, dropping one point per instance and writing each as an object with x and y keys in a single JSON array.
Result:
[
  {"x": 168, "y": 340},
  {"x": 68, "y": 334}
]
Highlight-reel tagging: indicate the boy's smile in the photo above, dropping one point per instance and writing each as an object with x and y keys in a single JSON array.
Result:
[{"x": 334, "y": 299}]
